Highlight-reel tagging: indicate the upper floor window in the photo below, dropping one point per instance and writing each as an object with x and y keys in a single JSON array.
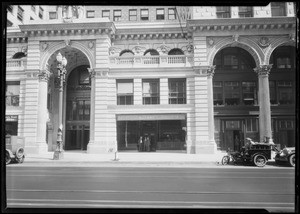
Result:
[
  {"x": 232, "y": 93},
  {"x": 124, "y": 92},
  {"x": 177, "y": 91},
  {"x": 52, "y": 15},
  {"x": 223, "y": 12},
  {"x": 245, "y": 12},
  {"x": 234, "y": 59},
  {"x": 144, "y": 14},
  {"x": 20, "y": 13},
  {"x": 117, "y": 15},
  {"x": 281, "y": 92},
  {"x": 249, "y": 93},
  {"x": 12, "y": 93},
  {"x": 33, "y": 8},
  {"x": 41, "y": 12},
  {"x": 90, "y": 14},
  {"x": 283, "y": 57},
  {"x": 10, "y": 8},
  {"x": 160, "y": 14},
  {"x": 151, "y": 91},
  {"x": 278, "y": 9},
  {"x": 171, "y": 14},
  {"x": 133, "y": 15},
  {"x": 105, "y": 14}
]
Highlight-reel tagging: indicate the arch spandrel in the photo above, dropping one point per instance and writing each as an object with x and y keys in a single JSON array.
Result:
[
  {"x": 244, "y": 43},
  {"x": 54, "y": 47}
]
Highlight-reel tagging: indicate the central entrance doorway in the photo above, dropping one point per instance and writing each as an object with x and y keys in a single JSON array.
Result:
[{"x": 78, "y": 109}]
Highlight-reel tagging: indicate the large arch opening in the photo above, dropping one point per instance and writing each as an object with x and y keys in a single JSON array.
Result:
[
  {"x": 235, "y": 94},
  {"x": 282, "y": 83},
  {"x": 76, "y": 99}
]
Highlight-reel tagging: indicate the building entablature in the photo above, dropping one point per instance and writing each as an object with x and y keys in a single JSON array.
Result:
[
  {"x": 59, "y": 29},
  {"x": 241, "y": 24}
]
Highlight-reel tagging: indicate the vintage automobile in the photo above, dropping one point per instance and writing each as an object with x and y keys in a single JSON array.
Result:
[
  {"x": 252, "y": 153},
  {"x": 14, "y": 149},
  {"x": 286, "y": 155}
]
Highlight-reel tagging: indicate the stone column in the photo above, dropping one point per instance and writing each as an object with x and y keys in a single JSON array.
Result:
[
  {"x": 42, "y": 111},
  {"x": 210, "y": 100},
  {"x": 264, "y": 105},
  {"x": 92, "y": 106}
]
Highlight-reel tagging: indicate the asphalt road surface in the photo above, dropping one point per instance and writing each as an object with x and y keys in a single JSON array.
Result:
[{"x": 272, "y": 189}]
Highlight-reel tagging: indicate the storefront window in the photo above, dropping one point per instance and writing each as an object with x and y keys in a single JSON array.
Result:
[
  {"x": 150, "y": 92},
  {"x": 124, "y": 92},
  {"x": 232, "y": 93},
  {"x": 12, "y": 93},
  {"x": 177, "y": 91},
  {"x": 252, "y": 125},
  {"x": 11, "y": 125},
  {"x": 249, "y": 93}
]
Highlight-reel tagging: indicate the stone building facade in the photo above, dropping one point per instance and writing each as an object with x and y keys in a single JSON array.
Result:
[{"x": 192, "y": 79}]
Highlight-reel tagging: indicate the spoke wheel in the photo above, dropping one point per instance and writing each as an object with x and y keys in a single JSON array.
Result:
[
  {"x": 259, "y": 160},
  {"x": 292, "y": 160},
  {"x": 20, "y": 160},
  {"x": 225, "y": 160},
  {"x": 7, "y": 158}
]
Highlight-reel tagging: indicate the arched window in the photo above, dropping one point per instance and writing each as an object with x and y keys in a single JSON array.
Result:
[
  {"x": 126, "y": 53},
  {"x": 176, "y": 51},
  {"x": 283, "y": 57},
  {"x": 233, "y": 58},
  {"x": 19, "y": 55},
  {"x": 151, "y": 52}
]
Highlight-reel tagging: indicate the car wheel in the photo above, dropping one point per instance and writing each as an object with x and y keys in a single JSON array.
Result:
[
  {"x": 20, "y": 160},
  {"x": 292, "y": 160},
  {"x": 7, "y": 158},
  {"x": 225, "y": 160},
  {"x": 259, "y": 160}
]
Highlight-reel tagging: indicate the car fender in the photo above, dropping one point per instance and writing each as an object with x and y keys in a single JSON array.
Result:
[{"x": 10, "y": 153}]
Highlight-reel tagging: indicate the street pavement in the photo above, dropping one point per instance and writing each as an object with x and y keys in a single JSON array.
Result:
[{"x": 130, "y": 158}]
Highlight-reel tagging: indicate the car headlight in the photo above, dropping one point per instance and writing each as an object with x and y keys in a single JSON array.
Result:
[{"x": 20, "y": 153}]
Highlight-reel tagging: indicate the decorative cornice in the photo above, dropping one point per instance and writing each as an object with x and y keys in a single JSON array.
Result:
[
  {"x": 60, "y": 29},
  {"x": 263, "y": 70},
  {"x": 234, "y": 24}
]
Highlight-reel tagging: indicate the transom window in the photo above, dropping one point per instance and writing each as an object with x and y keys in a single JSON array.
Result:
[
  {"x": 278, "y": 9},
  {"x": 283, "y": 57},
  {"x": 78, "y": 109},
  {"x": 151, "y": 91},
  {"x": 12, "y": 93},
  {"x": 223, "y": 12},
  {"x": 160, "y": 14},
  {"x": 177, "y": 91},
  {"x": 171, "y": 14},
  {"x": 245, "y": 12},
  {"x": 124, "y": 92},
  {"x": 117, "y": 15},
  {"x": 133, "y": 15},
  {"x": 144, "y": 14},
  {"x": 234, "y": 59}
]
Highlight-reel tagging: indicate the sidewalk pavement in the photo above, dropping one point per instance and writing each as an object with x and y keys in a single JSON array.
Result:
[{"x": 159, "y": 158}]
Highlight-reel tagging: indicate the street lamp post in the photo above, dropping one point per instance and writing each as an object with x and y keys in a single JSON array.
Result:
[{"x": 61, "y": 71}]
